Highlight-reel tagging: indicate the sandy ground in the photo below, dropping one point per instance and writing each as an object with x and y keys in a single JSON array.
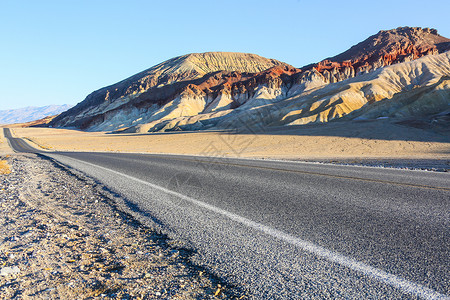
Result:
[
  {"x": 63, "y": 236},
  {"x": 375, "y": 139},
  {"x": 4, "y": 146}
]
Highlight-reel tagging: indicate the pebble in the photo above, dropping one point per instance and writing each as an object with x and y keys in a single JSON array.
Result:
[
  {"x": 9, "y": 271},
  {"x": 80, "y": 240}
]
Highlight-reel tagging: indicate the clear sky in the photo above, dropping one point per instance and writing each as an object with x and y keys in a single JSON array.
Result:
[{"x": 56, "y": 52}]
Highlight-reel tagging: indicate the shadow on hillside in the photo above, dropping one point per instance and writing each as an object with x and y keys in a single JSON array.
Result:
[
  {"x": 381, "y": 129},
  {"x": 366, "y": 129}
]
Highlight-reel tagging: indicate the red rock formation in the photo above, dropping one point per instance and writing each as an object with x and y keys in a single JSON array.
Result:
[
  {"x": 386, "y": 48},
  {"x": 234, "y": 83},
  {"x": 163, "y": 84}
]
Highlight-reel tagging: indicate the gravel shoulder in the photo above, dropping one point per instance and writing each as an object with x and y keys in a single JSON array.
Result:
[
  {"x": 63, "y": 237},
  {"x": 4, "y": 146},
  {"x": 436, "y": 165}
]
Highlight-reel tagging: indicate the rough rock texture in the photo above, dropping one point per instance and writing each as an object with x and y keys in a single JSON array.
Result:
[
  {"x": 388, "y": 47},
  {"x": 407, "y": 90},
  {"x": 163, "y": 81},
  {"x": 385, "y": 48},
  {"x": 217, "y": 90},
  {"x": 64, "y": 237}
]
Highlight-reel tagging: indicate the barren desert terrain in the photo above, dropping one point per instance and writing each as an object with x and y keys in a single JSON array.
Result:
[
  {"x": 352, "y": 140},
  {"x": 66, "y": 237},
  {"x": 4, "y": 147}
]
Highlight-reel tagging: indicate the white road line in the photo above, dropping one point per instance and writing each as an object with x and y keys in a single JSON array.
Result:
[{"x": 334, "y": 257}]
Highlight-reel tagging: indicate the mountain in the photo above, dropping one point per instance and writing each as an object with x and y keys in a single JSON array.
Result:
[
  {"x": 233, "y": 90},
  {"x": 159, "y": 83},
  {"x": 406, "y": 90},
  {"x": 35, "y": 123},
  {"x": 387, "y": 47},
  {"x": 30, "y": 113}
]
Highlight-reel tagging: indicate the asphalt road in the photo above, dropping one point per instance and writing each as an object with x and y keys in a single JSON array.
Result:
[
  {"x": 287, "y": 230},
  {"x": 18, "y": 145}
]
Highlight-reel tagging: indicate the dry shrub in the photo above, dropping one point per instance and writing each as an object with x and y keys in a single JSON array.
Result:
[{"x": 4, "y": 167}]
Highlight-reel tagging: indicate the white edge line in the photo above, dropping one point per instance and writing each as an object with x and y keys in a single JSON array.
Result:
[
  {"x": 334, "y": 257},
  {"x": 314, "y": 161}
]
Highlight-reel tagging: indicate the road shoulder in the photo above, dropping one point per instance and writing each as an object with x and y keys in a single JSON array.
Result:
[
  {"x": 65, "y": 238},
  {"x": 5, "y": 149}
]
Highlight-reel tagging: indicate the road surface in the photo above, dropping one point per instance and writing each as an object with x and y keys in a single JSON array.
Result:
[{"x": 287, "y": 230}]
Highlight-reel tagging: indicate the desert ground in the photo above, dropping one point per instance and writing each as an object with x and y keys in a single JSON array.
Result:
[
  {"x": 351, "y": 140},
  {"x": 4, "y": 147},
  {"x": 65, "y": 236}
]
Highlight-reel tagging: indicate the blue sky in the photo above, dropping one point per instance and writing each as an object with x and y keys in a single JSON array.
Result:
[{"x": 55, "y": 52}]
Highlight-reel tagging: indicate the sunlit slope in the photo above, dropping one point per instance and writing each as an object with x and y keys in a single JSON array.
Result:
[
  {"x": 162, "y": 81},
  {"x": 403, "y": 90}
]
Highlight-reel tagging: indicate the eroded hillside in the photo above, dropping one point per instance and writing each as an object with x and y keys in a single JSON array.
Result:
[{"x": 222, "y": 90}]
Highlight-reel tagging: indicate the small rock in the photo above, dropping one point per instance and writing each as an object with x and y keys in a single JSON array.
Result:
[
  {"x": 218, "y": 292},
  {"x": 9, "y": 271}
]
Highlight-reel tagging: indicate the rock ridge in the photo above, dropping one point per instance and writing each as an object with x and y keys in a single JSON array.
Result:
[{"x": 196, "y": 91}]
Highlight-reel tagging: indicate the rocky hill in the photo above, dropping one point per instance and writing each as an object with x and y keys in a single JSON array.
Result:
[
  {"x": 388, "y": 47},
  {"x": 411, "y": 89},
  {"x": 162, "y": 80},
  {"x": 224, "y": 90}
]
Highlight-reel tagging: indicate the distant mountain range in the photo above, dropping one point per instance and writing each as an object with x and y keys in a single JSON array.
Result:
[
  {"x": 31, "y": 113},
  {"x": 401, "y": 73}
]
